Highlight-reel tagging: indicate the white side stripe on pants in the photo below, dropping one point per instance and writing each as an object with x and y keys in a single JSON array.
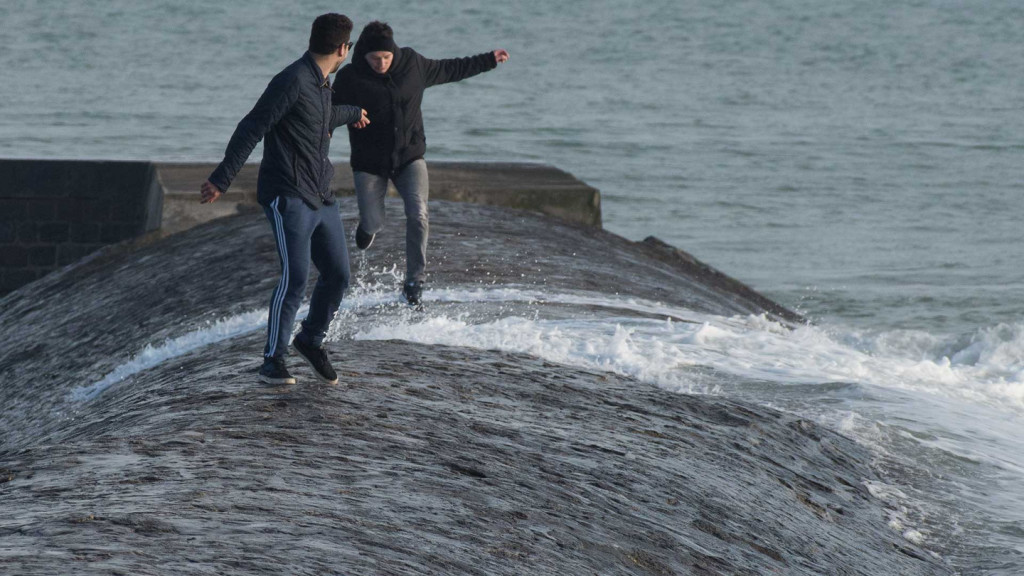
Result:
[{"x": 282, "y": 286}]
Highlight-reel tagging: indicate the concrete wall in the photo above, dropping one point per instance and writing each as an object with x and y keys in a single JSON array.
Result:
[
  {"x": 536, "y": 187},
  {"x": 54, "y": 212}
]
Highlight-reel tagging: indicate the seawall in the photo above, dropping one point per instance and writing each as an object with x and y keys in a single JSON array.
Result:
[
  {"x": 535, "y": 187},
  {"x": 54, "y": 212}
]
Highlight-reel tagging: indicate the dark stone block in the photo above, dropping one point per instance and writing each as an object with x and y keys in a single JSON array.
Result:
[
  {"x": 39, "y": 178},
  {"x": 86, "y": 178},
  {"x": 110, "y": 233},
  {"x": 8, "y": 285},
  {"x": 53, "y": 232},
  {"x": 125, "y": 211},
  {"x": 6, "y": 173},
  {"x": 68, "y": 253},
  {"x": 43, "y": 210},
  {"x": 8, "y": 232},
  {"x": 80, "y": 210},
  {"x": 13, "y": 256},
  {"x": 13, "y": 209},
  {"x": 126, "y": 194},
  {"x": 28, "y": 232},
  {"x": 73, "y": 178},
  {"x": 41, "y": 256},
  {"x": 84, "y": 232},
  {"x": 114, "y": 181},
  {"x": 18, "y": 277}
]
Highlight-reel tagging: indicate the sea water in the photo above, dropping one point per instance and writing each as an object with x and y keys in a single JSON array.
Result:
[{"x": 856, "y": 161}]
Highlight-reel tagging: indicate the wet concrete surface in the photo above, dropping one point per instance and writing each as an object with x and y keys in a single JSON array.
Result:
[{"x": 425, "y": 459}]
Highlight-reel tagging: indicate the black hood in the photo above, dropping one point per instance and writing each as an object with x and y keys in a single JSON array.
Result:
[{"x": 373, "y": 43}]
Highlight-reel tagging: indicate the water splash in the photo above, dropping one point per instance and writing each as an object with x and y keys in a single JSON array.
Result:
[{"x": 651, "y": 341}]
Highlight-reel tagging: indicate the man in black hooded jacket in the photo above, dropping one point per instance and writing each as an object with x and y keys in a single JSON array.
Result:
[{"x": 388, "y": 82}]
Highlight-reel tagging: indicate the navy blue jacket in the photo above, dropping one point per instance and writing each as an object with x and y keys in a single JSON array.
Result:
[
  {"x": 392, "y": 101},
  {"x": 296, "y": 116}
]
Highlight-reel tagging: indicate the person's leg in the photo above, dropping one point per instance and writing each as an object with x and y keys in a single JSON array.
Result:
[
  {"x": 330, "y": 255},
  {"x": 414, "y": 187},
  {"x": 292, "y": 222},
  {"x": 370, "y": 192}
]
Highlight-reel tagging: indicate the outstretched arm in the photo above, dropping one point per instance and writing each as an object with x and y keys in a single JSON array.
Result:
[
  {"x": 342, "y": 114},
  {"x": 455, "y": 69},
  {"x": 276, "y": 101}
]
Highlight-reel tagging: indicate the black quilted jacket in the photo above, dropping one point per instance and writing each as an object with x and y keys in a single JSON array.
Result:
[{"x": 296, "y": 116}]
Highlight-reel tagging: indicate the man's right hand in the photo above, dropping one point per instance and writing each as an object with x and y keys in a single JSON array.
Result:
[
  {"x": 362, "y": 123},
  {"x": 209, "y": 192}
]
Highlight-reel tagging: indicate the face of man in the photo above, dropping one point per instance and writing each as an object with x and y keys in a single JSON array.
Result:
[
  {"x": 342, "y": 54},
  {"x": 380, "y": 61}
]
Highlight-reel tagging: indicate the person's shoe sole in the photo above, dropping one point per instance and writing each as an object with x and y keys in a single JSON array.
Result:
[
  {"x": 316, "y": 373},
  {"x": 368, "y": 242},
  {"x": 269, "y": 380}
]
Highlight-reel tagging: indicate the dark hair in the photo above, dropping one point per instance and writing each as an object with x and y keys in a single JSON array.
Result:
[{"x": 329, "y": 32}]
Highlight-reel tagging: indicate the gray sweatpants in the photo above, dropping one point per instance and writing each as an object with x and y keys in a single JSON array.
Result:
[{"x": 414, "y": 187}]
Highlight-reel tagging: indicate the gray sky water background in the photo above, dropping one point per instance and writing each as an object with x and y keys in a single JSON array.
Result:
[{"x": 856, "y": 160}]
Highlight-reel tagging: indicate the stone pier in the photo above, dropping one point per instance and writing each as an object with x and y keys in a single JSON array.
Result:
[
  {"x": 55, "y": 212},
  {"x": 535, "y": 187}
]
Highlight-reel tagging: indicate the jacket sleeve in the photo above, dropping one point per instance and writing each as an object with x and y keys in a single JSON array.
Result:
[
  {"x": 342, "y": 114},
  {"x": 454, "y": 69},
  {"x": 279, "y": 97}
]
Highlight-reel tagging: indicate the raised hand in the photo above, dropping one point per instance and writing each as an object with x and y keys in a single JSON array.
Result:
[
  {"x": 501, "y": 56},
  {"x": 209, "y": 192}
]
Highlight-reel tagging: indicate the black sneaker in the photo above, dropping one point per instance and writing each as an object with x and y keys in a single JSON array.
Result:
[
  {"x": 412, "y": 292},
  {"x": 317, "y": 359},
  {"x": 363, "y": 240},
  {"x": 274, "y": 372}
]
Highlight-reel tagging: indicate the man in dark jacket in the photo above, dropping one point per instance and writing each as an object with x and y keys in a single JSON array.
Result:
[
  {"x": 296, "y": 116},
  {"x": 389, "y": 83}
]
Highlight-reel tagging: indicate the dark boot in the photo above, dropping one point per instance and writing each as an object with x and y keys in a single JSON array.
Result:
[{"x": 412, "y": 291}]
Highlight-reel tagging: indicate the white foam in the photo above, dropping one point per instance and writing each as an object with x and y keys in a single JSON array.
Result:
[
  {"x": 914, "y": 536},
  {"x": 989, "y": 369},
  {"x": 151, "y": 356},
  {"x": 613, "y": 349}
]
